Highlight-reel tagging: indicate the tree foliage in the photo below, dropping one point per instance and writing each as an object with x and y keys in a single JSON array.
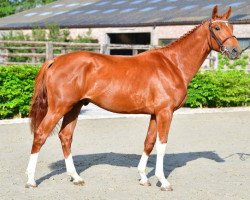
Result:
[
  {"x": 9, "y": 7},
  {"x": 17, "y": 83},
  {"x": 219, "y": 89}
]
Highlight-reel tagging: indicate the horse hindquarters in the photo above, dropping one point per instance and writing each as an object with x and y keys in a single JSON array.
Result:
[{"x": 42, "y": 123}]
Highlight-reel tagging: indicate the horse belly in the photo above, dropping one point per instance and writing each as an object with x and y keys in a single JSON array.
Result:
[{"x": 123, "y": 100}]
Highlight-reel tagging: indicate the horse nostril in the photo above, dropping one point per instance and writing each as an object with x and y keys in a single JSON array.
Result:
[
  {"x": 235, "y": 50},
  {"x": 235, "y": 53}
]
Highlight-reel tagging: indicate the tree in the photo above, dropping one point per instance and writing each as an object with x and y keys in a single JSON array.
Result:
[{"x": 9, "y": 7}]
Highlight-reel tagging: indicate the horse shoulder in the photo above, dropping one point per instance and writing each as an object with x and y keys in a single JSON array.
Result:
[{"x": 172, "y": 85}]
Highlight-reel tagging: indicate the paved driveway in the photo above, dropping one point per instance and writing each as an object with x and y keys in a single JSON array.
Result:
[{"x": 208, "y": 157}]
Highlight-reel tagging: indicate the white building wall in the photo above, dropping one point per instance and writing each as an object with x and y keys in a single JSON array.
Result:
[{"x": 159, "y": 32}]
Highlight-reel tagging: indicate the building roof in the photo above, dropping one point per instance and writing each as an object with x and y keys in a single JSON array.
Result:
[{"x": 113, "y": 13}]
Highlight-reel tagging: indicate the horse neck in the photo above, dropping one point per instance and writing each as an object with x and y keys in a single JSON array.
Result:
[{"x": 189, "y": 52}]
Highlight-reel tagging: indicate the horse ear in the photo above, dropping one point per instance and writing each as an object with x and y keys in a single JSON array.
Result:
[
  {"x": 215, "y": 12},
  {"x": 228, "y": 13}
]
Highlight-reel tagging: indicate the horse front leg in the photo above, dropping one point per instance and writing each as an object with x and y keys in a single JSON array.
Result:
[
  {"x": 163, "y": 120},
  {"x": 148, "y": 146},
  {"x": 66, "y": 135}
]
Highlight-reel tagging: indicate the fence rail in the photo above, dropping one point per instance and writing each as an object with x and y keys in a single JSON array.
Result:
[{"x": 36, "y": 52}]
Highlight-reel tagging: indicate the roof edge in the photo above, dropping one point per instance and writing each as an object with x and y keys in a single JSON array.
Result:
[{"x": 154, "y": 24}]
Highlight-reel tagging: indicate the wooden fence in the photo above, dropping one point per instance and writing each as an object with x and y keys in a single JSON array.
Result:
[{"x": 35, "y": 53}]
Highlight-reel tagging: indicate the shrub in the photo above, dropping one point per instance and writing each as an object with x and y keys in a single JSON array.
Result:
[
  {"x": 219, "y": 89},
  {"x": 16, "y": 90},
  {"x": 226, "y": 63}
]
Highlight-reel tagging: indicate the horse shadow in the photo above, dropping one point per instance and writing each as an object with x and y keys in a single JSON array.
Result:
[{"x": 171, "y": 162}]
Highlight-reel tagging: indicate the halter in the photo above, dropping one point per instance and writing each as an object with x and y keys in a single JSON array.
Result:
[{"x": 223, "y": 49}]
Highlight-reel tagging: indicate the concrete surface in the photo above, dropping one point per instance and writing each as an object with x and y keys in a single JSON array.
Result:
[{"x": 207, "y": 157}]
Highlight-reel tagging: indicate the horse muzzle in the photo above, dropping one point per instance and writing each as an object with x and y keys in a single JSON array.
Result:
[{"x": 233, "y": 52}]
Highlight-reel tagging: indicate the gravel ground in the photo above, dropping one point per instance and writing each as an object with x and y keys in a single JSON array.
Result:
[{"x": 207, "y": 157}]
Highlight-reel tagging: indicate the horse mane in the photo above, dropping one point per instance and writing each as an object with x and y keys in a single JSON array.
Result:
[{"x": 183, "y": 36}]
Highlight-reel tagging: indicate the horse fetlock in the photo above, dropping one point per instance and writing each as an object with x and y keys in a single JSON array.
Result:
[
  {"x": 75, "y": 176},
  {"x": 77, "y": 180},
  {"x": 72, "y": 174},
  {"x": 159, "y": 175},
  {"x": 141, "y": 169},
  {"x": 29, "y": 172},
  {"x": 165, "y": 185}
]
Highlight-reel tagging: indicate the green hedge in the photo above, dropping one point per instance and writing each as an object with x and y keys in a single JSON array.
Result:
[
  {"x": 16, "y": 88},
  {"x": 208, "y": 89},
  {"x": 219, "y": 89}
]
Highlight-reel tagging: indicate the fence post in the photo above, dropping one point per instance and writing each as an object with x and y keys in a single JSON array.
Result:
[
  {"x": 104, "y": 49},
  {"x": 216, "y": 62},
  {"x": 6, "y": 59},
  {"x": 2, "y": 58},
  {"x": 135, "y": 51},
  {"x": 34, "y": 59},
  {"x": 63, "y": 50},
  {"x": 49, "y": 50}
]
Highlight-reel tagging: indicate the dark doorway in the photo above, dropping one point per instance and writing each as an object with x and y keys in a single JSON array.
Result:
[{"x": 128, "y": 38}]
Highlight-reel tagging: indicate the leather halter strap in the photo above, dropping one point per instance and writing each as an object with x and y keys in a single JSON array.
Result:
[{"x": 223, "y": 49}]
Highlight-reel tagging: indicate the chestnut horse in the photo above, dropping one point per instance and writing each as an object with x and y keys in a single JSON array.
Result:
[{"x": 154, "y": 82}]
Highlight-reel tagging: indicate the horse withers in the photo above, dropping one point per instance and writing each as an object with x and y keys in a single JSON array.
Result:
[{"x": 154, "y": 82}]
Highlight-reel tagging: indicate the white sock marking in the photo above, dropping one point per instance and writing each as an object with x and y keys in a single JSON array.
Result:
[
  {"x": 30, "y": 171},
  {"x": 142, "y": 168},
  {"x": 159, "y": 173},
  {"x": 71, "y": 170}
]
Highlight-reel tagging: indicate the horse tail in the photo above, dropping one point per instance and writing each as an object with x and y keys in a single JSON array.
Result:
[{"x": 39, "y": 104}]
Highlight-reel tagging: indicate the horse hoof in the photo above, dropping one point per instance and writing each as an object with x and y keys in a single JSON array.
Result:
[
  {"x": 147, "y": 183},
  {"x": 168, "y": 188},
  {"x": 79, "y": 183},
  {"x": 29, "y": 185}
]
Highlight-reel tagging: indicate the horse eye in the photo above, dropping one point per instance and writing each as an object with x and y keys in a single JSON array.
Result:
[{"x": 217, "y": 28}]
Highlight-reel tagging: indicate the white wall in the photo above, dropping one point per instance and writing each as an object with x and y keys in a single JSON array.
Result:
[{"x": 160, "y": 32}]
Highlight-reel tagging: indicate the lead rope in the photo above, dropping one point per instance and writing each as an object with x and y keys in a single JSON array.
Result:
[{"x": 244, "y": 49}]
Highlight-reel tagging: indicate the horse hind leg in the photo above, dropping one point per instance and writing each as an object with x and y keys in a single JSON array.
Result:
[
  {"x": 148, "y": 147},
  {"x": 41, "y": 134},
  {"x": 65, "y": 135}
]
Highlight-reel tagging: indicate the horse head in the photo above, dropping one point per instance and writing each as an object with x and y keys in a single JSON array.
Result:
[{"x": 221, "y": 35}]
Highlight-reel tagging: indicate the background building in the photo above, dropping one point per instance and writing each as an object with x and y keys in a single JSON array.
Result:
[{"x": 153, "y": 22}]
